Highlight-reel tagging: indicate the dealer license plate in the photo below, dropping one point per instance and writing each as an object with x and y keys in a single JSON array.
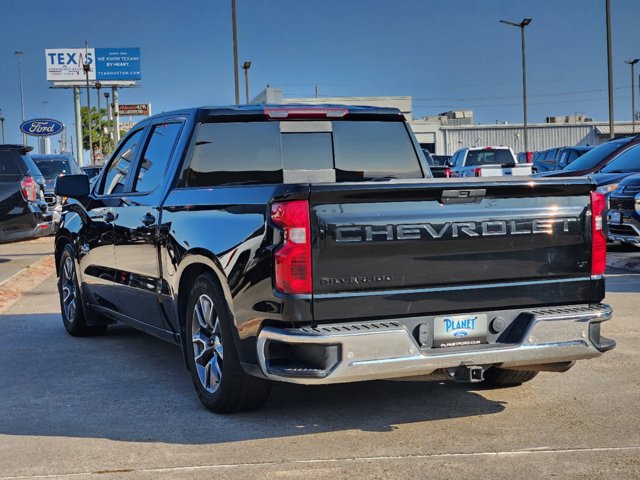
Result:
[
  {"x": 460, "y": 330},
  {"x": 615, "y": 218}
]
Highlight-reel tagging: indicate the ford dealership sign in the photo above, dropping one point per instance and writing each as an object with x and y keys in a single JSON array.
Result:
[{"x": 42, "y": 127}]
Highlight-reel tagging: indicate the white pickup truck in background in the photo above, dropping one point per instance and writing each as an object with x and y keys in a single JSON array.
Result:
[{"x": 487, "y": 162}]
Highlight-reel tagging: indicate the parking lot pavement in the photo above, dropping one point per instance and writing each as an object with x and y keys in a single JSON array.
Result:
[
  {"x": 624, "y": 257},
  {"x": 122, "y": 406},
  {"x": 15, "y": 257}
]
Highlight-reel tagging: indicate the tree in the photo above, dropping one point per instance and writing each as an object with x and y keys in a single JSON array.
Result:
[{"x": 98, "y": 128}]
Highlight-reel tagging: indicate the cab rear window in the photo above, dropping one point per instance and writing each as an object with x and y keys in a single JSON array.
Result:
[
  {"x": 260, "y": 152},
  {"x": 501, "y": 157}
]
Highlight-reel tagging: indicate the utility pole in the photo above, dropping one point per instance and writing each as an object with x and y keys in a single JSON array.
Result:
[
  {"x": 246, "y": 66},
  {"x": 45, "y": 103},
  {"x": 77, "y": 108},
  {"x": 612, "y": 133},
  {"x": 235, "y": 50},
  {"x": 633, "y": 93},
  {"x": 19, "y": 54},
  {"x": 87, "y": 68},
  {"x": 521, "y": 25}
]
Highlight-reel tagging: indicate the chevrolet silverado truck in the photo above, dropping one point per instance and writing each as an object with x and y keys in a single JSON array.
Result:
[
  {"x": 487, "y": 162},
  {"x": 309, "y": 244}
]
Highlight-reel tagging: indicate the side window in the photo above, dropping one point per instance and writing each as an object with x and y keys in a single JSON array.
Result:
[
  {"x": 156, "y": 155},
  {"x": 117, "y": 174},
  {"x": 235, "y": 153},
  {"x": 562, "y": 161}
]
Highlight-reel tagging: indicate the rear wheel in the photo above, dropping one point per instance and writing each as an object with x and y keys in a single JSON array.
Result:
[
  {"x": 71, "y": 304},
  {"x": 499, "y": 377},
  {"x": 220, "y": 382}
]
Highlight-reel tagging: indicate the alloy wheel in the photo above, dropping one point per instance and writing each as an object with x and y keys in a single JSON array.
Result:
[
  {"x": 207, "y": 343},
  {"x": 69, "y": 292}
]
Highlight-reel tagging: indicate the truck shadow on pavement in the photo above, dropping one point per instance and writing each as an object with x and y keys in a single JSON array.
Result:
[{"x": 128, "y": 386}]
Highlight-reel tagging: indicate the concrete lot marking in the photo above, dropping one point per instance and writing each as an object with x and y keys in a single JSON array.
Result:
[{"x": 202, "y": 468}]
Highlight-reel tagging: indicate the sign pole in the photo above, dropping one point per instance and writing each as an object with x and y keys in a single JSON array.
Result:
[
  {"x": 116, "y": 119},
  {"x": 87, "y": 69},
  {"x": 76, "y": 104}
]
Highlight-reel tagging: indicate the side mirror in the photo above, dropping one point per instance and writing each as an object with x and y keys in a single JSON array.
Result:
[{"x": 74, "y": 186}]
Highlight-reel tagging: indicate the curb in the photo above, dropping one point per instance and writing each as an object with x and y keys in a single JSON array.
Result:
[{"x": 15, "y": 287}]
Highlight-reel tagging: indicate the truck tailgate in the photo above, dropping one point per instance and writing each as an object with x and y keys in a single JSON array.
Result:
[{"x": 404, "y": 249}]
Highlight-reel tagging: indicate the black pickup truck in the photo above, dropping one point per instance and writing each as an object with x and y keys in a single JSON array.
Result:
[{"x": 311, "y": 245}]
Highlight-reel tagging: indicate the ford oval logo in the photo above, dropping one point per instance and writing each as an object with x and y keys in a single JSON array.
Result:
[
  {"x": 41, "y": 127},
  {"x": 461, "y": 333}
]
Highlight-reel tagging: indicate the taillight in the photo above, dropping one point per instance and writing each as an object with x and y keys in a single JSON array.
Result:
[
  {"x": 529, "y": 157},
  {"x": 478, "y": 172},
  {"x": 598, "y": 239},
  {"x": 29, "y": 189},
  {"x": 293, "y": 258},
  {"x": 447, "y": 172}
]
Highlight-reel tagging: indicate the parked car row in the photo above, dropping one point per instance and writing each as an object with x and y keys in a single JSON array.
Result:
[
  {"x": 29, "y": 207},
  {"x": 556, "y": 158},
  {"x": 611, "y": 166}
]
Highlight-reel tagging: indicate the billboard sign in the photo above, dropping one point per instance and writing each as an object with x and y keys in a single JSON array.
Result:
[
  {"x": 138, "y": 109},
  {"x": 66, "y": 64},
  {"x": 42, "y": 127},
  {"x": 117, "y": 63}
]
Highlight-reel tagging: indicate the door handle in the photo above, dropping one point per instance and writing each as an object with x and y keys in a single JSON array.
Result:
[
  {"x": 148, "y": 219},
  {"x": 109, "y": 217}
]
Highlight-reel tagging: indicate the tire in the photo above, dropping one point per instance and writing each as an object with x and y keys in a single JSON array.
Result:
[
  {"x": 72, "y": 305},
  {"x": 220, "y": 382},
  {"x": 498, "y": 377}
]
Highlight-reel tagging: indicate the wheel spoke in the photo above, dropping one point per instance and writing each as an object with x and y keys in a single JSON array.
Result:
[
  {"x": 199, "y": 317},
  {"x": 207, "y": 309},
  {"x": 202, "y": 349},
  {"x": 66, "y": 293},
  {"x": 217, "y": 347},
  {"x": 71, "y": 315},
  {"x": 213, "y": 372}
]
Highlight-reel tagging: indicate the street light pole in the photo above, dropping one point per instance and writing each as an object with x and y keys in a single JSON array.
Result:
[
  {"x": 19, "y": 54},
  {"x": 98, "y": 87},
  {"x": 633, "y": 93},
  {"x": 521, "y": 25},
  {"x": 235, "y": 50},
  {"x": 246, "y": 66},
  {"x": 2, "y": 126},
  {"x": 109, "y": 119},
  {"x": 612, "y": 133}
]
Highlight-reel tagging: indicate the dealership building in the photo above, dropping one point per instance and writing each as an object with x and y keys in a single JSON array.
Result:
[{"x": 447, "y": 132}]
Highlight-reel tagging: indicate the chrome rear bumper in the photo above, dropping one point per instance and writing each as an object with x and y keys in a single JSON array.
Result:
[{"x": 379, "y": 350}]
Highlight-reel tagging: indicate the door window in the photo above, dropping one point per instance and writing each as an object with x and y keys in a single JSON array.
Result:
[
  {"x": 117, "y": 175},
  {"x": 156, "y": 156}
]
